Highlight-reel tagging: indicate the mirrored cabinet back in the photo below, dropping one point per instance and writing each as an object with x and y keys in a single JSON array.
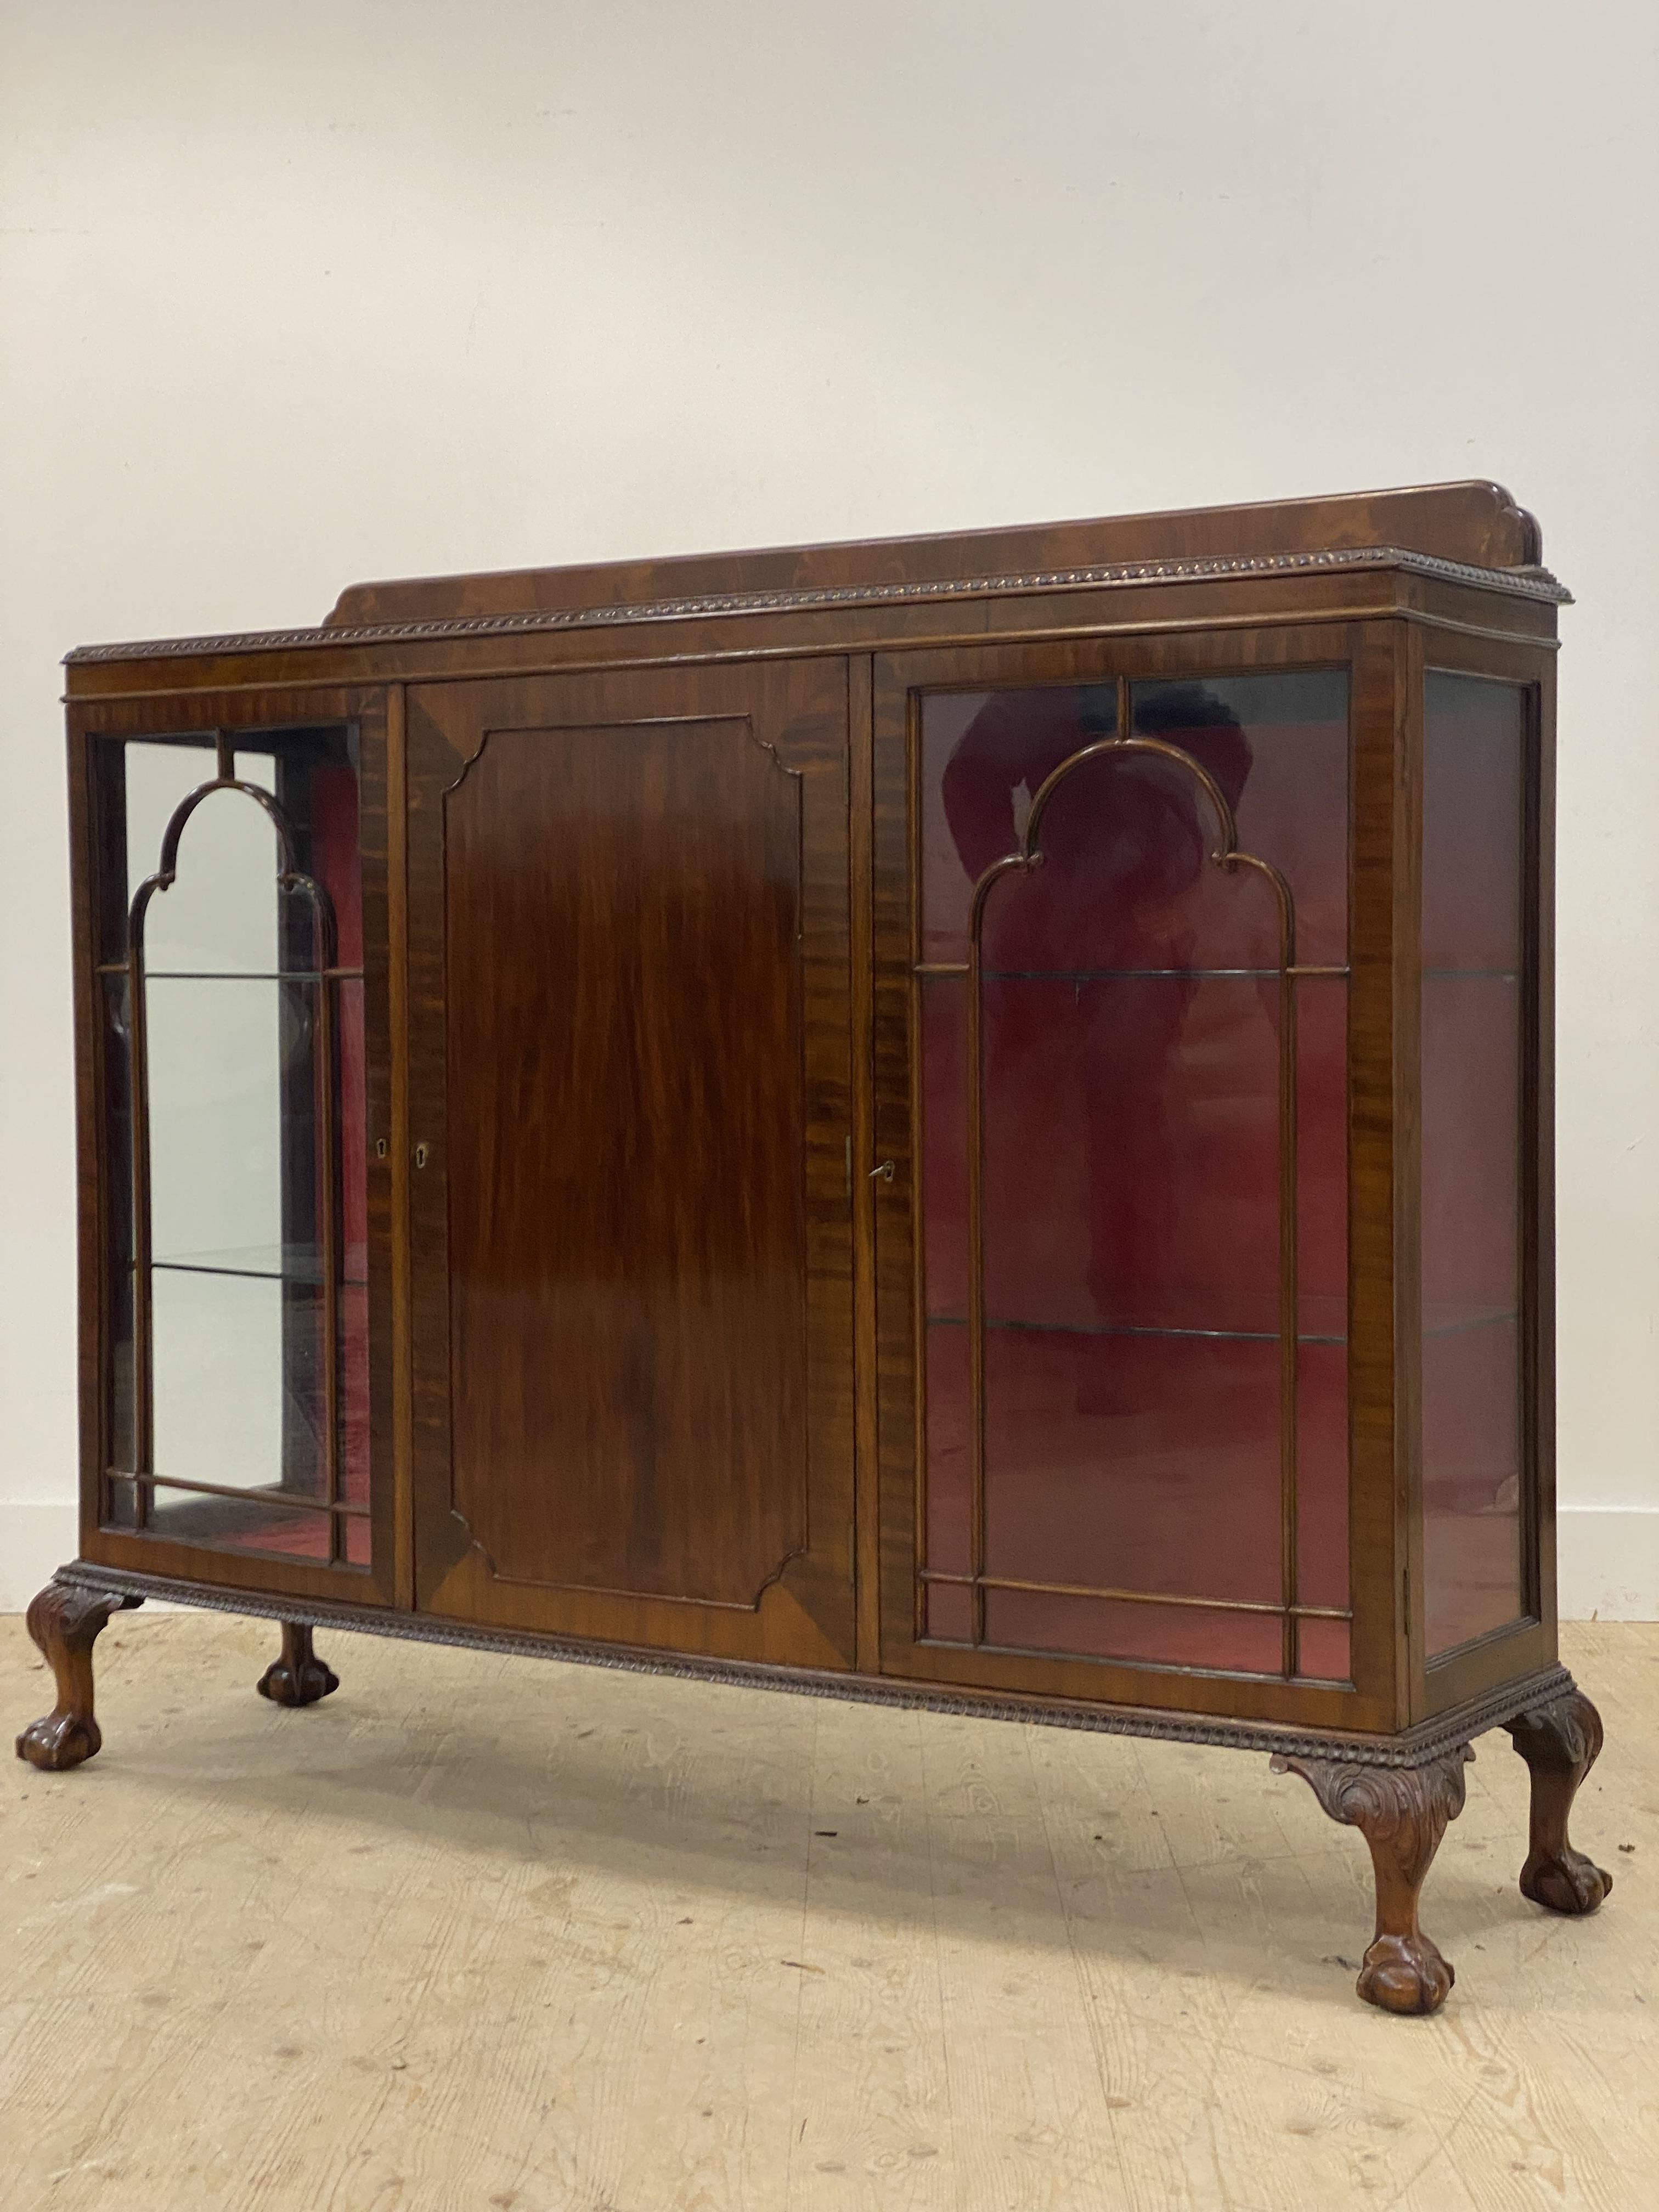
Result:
[{"x": 959, "y": 1120}]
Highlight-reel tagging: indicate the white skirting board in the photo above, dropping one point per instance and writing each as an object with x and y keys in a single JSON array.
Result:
[
  {"x": 1607, "y": 1562},
  {"x": 1608, "y": 1557}
]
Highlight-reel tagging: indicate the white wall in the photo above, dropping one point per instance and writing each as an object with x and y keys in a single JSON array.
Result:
[
  {"x": 296, "y": 296},
  {"x": 216, "y": 1076}
]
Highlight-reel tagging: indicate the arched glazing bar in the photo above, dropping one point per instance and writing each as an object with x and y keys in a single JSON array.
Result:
[
  {"x": 1226, "y": 855},
  {"x": 290, "y": 879}
]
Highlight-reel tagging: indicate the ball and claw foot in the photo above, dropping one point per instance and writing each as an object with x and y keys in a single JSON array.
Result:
[
  {"x": 1560, "y": 1742},
  {"x": 1569, "y": 1882},
  {"x": 58, "y": 1741},
  {"x": 65, "y": 1622},
  {"x": 1406, "y": 1973},
  {"x": 299, "y": 1677},
  {"x": 1402, "y": 1812}
]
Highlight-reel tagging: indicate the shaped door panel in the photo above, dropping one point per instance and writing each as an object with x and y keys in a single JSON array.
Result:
[{"x": 629, "y": 1105}]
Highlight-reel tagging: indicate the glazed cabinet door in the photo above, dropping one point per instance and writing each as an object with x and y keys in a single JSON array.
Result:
[
  {"x": 1121, "y": 1360},
  {"x": 629, "y": 1114},
  {"x": 232, "y": 986}
]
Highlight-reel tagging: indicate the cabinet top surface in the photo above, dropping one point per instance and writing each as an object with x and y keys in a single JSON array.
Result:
[{"x": 1472, "y": 529}]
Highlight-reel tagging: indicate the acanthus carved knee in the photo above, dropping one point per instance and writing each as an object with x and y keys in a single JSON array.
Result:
[
  {"x": 1402, "y": 1812},
  {"x": 65, "y": 1622}
]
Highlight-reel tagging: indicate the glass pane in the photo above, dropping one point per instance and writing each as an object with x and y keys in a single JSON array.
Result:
[
  {"x": 944, "y": 1142},
  {"x": 1472, "y": 1458},
  {"x": 220, "y": 1051},
  {"x": 1130, "y": 1014},
  {"x": 984, "y": 754},
  {"x": 208, "y": 921},
  {"x": 352, "y": 1048},
  {"x": 1132, "y": 1151},
  {"x": 1321, "y": 1154},
  {"x": 253, "y": 1091},
  {"x": 1134, "y": 1463},
  {"x": 220, "y": 1392},
  {"x": 1278, "y": 746},
  {"x": 1150, "y": 1635},
  {"x": 1323, "y": 1504},
  {"x": 1326, "y": 1652},
  {"x": 1471, "y": 1043},
  {"x": 258, "y": 1522}
]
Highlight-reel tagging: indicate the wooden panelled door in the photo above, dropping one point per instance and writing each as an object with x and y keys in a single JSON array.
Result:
[{"x": 629, "y": 1121}]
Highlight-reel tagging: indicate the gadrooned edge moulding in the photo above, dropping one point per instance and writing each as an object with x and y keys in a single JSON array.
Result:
[
  {"x": 1523, "y": 583},
  {"x": 1414, "y": 1747}
]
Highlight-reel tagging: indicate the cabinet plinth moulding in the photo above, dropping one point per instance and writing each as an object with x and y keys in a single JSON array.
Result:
[{"x": 953, "y": 1121}]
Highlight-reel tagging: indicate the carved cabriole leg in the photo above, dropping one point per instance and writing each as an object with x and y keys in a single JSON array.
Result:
[
  {"x": 1559, "y": 1742},
  {"x": 1402, "y": 1812},
  {"x": 65, "y": 1623},
  {"x": 299, "y": 1677}
]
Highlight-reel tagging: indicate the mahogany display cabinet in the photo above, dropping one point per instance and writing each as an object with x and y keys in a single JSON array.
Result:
[{"x": 963, "y": 1121}]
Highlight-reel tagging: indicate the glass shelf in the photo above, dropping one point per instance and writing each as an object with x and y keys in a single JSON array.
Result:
[
  {"x": 1443, "y": 1321},
  {"x": 1434, "y": 1325},
  {"x": 274, "y": 1263},
  {"x": 1130, "y": 1328},
  {"x": 237, "y": 975},
  {"x": 940, "y": 969},
  {"x": 1133, "y": 975}
]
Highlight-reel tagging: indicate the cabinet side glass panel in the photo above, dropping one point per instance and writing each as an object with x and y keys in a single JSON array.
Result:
[
  {"x": 1113, "y": 1263},
  {"x": 1473, "y": 1027},
  {"x": 233, "y": 1065}
]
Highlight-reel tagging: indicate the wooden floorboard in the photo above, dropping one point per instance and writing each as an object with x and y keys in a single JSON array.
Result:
[{"x": 500, "y": 1934}]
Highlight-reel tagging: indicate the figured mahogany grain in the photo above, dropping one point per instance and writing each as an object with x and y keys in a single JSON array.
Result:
[
  {"x": 1473, "y": 522},
  {"x": 637, "y": 1383},
  {"x": 626, "y": 1124},
  {"x": 555, "y": 1010}
]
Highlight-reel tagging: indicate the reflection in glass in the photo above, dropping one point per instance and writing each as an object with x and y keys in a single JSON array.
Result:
[
  {"x": 1151, "y": 1104},
  {"x": 1131, "y": 1017},
  {"x": 259, "y": 1524},
  {"x": 234, "y": 1079},
  {"x": 1473, "y": 985}
]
